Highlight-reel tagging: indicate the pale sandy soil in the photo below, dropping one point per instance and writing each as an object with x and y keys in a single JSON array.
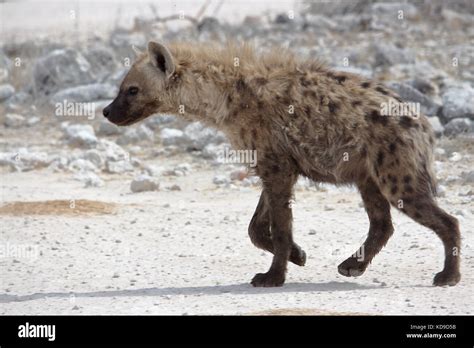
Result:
[{"x": 187, "y": 252}]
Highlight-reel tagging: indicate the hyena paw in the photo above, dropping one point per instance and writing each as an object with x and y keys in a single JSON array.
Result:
[
  {"x": 450, "y": 278},
  {"x": 352, "y": 267},
  {"x": 298, "y": 256},
  {"x": 268, "y": 280}
]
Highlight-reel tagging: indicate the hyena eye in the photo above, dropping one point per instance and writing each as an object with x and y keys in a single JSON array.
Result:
[{"x": 133, "y": 90}]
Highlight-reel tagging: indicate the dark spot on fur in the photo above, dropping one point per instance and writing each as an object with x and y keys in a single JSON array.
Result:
[
  {"x": 406, "y": 122},
  {"x": 447, "y": 220},
  {"x": 363, "y": 151},
  {"x": 417, "y": 215},
  {"x": 261, "y": 81},
  {"x": 407, "y": 179},
  {"x": 304, "y": 82},
  {"x": 392, "y": 147},
  {"x": 393, "y": 179},
  {"x": 394, "y": 189},
  {"x": 375, "y": 117},
  {"x": 340, "y": 78},
  {"x": 365, "y": 84},
  {"x": 240, "y": 85},
  {"x": 275, "y": 169},
  {"x": 356, "y": 103},
  {"x": 254, "y": 134},
  {"x": 332, "y": 107},
  {"x": 381, "y": 90},
  {"x": 409, "y": 189},
  {"x": 380, "y": 157},
  {"x": 309, "y": 93}
]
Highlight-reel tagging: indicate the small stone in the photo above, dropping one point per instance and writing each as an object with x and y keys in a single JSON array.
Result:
[
  {"x": 6, "y": 91},
  {"x": 175, "y": 188},
  {"x": 107, "y": 128},
  {"x": 14, "y": 121},
  {"x": 468, "y": 177},
  {"x": 143, "y": 183},
  {"x": 436, "y": 125},
  {"x": 80, "y": 135},
  {"x": 455, "y": 157},
  {"x": 458, "y": 126},
  {"x": 220, "y": 180},
  {"x": 171, "y": 136}
]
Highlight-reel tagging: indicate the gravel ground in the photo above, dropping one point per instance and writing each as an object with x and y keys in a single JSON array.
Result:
[{"x": 187, "y": 252}]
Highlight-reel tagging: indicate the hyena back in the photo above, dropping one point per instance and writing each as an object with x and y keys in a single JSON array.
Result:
[{"x": 302, "y": 118}]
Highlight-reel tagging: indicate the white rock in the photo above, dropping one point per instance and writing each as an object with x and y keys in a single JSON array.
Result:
[
  {"x": 82, "y": 165},
  {"x": 143, "y": 183},
  {"x": 441, "y": 190},
  {"x": 455, "y": 157},
  {"x": 458, "y": 126},
  {"x": 60, "y": 69},
  {"x": 220, "y": 179},
  {"x": 436, "y": 125},
  {"x": 80, "y": 135},
  {"x": 89, "y": 179},
  {"x": 171, "y": 136},
  {"x": 112, "y": 151},
  {"x": 6, "y": 91},
  {"x": 468, "y": 177},
  {"x": 198, "y": 136},
  {"x": 388, "y": 55},
  {"x": 85, "y": 93},
  {"x": 14, "y": 121},
  {"x": 440, "y": 151},
  {"x": 107, "y": 128},
  {"x": 135, "y": 135},
  {"x": 458, "y": 102},
  {"x": 118, "y": 167},
  {"x": 31, "y": 121},
  {"x": 95, "y": 156}
]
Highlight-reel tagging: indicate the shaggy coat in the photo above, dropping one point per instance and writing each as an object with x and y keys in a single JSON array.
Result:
[{"x": 302, "y": 118}]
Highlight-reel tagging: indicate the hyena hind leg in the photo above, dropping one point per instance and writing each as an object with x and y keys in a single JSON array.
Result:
[
  {"x": 380, "y": 230},
  {"x": 424, "y": 210},
  {"x": 260, "y": 235}
]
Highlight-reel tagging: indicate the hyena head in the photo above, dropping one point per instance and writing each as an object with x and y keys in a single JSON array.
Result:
[{"x": 145, "y": 89}]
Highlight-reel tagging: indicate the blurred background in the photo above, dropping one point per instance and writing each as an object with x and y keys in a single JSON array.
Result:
[{"x": 61, "y": 63}]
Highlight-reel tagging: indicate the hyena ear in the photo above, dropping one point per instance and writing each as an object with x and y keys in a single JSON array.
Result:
[{"x": 161, "y": 58}]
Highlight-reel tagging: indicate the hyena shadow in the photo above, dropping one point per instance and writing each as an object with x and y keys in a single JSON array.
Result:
[{"x": 238, "y": 289}]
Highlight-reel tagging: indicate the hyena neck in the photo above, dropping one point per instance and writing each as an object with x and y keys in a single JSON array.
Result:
[{"x": 203, "y": 99}]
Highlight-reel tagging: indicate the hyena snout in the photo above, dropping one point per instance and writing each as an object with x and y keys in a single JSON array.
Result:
[{"x": 106, "y": 111}]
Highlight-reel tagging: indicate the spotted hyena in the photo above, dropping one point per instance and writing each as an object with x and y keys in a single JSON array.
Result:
[{"x": 302, "y": 118}]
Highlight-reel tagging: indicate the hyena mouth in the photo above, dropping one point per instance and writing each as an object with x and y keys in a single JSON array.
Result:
[{"x": 129, "y": 121}]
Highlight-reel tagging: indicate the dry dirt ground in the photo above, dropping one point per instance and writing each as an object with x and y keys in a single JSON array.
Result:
[{"x": 74, "y": 250}]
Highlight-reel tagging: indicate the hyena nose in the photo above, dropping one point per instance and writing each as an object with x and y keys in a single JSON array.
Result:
[{"x": 106, "y": 111}]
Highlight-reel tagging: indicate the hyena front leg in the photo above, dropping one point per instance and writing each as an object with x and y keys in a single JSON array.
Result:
[
  {"x": 260, "y": 235},
  {"x": 278, "y": 182},
  {"x": 381, "y": 228}
]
